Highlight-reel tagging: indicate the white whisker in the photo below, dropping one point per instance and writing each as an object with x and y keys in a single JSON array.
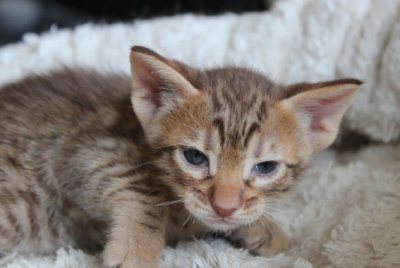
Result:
[
  {"x": 144, "y": 163},
  {"x": 266, "y": 222},
  {"x": 272, "y": 210},
  {"x": 169, "y": 145},
  {"x": 179, "y": 143},
  {"x": 268, "y": 216},
  {"x": 187, "y": 219},
  {"x": 262, "y": 221},
  {"x": 169, "y": 203}
]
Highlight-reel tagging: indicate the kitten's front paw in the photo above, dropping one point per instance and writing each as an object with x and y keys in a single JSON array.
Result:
[
  {"x": 262, "y": 240},
  {"x": 119, "y": 256}
]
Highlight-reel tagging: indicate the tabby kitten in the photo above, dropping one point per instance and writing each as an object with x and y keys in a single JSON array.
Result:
[{"x": 203, "y": 150}]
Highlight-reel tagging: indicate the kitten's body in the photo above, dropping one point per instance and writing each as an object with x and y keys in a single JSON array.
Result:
[
  {"x": 77, "y": 163},
  {"x": 57, "y": 130},
  {"x": 48, "y": 127}
]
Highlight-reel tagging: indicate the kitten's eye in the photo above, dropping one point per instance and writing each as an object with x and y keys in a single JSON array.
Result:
[
  {"x": 265, "y": 168},
  {"x": 195, "y": 157}
]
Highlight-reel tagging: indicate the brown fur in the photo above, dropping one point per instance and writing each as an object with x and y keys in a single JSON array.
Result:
[{"x": 79, "y": 167}]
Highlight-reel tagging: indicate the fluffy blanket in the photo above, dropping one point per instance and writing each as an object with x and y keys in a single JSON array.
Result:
[{"x": 345, "y": 212}]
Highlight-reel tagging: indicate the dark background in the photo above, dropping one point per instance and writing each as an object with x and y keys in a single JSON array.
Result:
[{"x": 20, "y": 16}]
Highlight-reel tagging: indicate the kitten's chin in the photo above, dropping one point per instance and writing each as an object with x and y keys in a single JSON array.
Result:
[{"x": 219, "y": 224}]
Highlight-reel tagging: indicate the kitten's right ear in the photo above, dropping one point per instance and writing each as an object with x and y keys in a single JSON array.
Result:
[
  {"x": 319, "y": 108},
  {"x": 157, "y": 85}
]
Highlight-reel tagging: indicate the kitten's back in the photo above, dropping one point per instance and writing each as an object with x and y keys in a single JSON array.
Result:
[
  {"x": 44, "y": 122},
  {"x": 61, "y": 97}
]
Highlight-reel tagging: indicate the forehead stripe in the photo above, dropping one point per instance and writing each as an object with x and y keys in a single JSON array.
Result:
[
  {"x": 254, "y": 127},
  {"x": 262, "y": 111},
  {"x": 216, "y": 103},
  {"x": 219, "y": 124},
  {"x": 208, "y": 141}
]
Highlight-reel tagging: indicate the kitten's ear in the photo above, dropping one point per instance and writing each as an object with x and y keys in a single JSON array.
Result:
[
  {"x": 319, "y": 108},
  {"x": 157, "y": 84}
]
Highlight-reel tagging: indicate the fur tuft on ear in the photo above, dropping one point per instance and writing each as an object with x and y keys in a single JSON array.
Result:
[
  {"x": 157, "y": 85},
  {"x": 319, "y": 109}
]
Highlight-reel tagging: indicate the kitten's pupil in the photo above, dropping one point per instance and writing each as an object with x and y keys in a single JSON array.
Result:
[
  {"x": 265, "y": 168},
  {"x": 195, "y": 157}
]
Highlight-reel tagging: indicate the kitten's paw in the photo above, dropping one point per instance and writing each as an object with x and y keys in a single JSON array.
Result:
[
  {"x": 276, "y": 243},
  {"x": 124, "y": 257},
  {"x": 262, "y": 240},
  {"x": 129, "y": 262}
]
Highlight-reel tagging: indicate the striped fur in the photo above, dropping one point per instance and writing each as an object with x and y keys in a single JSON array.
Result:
[{"x": 79, "y": 167}]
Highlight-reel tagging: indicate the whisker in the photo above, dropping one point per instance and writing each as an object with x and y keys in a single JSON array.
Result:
[
  {"x": 262, "y": 221},
  {"x": 269, "y": 203},
  {"x": 169, "y": 203},
  {"x": 186, "y": 137},
  {"x": 266, "y": 222},
  {"x": 175, "y": 144},
  {"x": 168, "y": 145},
  {"x": 143, "y": 164},
  {"x": 272, "y": 209},
  {"x": 268, "y": 216},
  {"x": 187, "y": 219}
]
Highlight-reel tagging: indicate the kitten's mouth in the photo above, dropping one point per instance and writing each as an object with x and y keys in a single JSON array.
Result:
[
  {"x": 220, "y": 220},
  {"x": 219, "y": 223}
]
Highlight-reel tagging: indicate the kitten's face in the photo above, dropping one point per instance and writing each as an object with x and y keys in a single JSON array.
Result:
[
  {"x": 230, "y": 140},
  {"x": 233, "y": 150}
]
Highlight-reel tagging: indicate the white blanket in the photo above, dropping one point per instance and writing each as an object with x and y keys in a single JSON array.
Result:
[{"x": 346, "y": 210}]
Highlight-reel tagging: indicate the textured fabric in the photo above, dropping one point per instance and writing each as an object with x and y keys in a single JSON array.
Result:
[
  {"x": 299, "y": 40},
  {"x": 345, "y": 212}
]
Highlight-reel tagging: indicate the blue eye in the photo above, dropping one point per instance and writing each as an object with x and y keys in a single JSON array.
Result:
[
  {"x": 195, "y": 157},
  {"x": 265, "y": 168}
]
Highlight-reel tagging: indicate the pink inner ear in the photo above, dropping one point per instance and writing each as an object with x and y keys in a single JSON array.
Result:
[
  {"x": 326, "y": 110},
  {"x": 150, "y": 84},
  {"x": 152, "y": 97}
]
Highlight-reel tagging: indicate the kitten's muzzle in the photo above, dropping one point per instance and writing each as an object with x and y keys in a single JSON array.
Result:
[
  {"x": 225, "y": 199},
  {"x": 224, "y": 213}
]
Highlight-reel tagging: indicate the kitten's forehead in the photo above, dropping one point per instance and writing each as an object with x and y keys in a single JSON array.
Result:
[
  {"x": 240, "y": 100},
  {"x": 236, "y": 81}
]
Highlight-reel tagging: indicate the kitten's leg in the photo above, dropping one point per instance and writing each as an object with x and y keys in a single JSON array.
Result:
[
  {"x": 8, "y": 238},
  {"x": 23, "y": 220},
  {"x": 136, "y": 238},
  {"x": 262, "y": 238}
]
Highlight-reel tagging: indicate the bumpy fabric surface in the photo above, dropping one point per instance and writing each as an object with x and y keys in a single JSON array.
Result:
[{"x": 345, "y": 211}]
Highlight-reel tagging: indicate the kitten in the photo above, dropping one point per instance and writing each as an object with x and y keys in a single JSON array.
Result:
[{"x": 203, "y": 150}]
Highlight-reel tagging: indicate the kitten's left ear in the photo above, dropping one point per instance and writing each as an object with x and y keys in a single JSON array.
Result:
[
  {"x": 319, "y": 108},
  {"x": 158, "y": 84}
]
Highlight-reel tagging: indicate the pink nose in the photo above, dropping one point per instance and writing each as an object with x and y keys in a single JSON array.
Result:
[
  {"x": 225, "y": 198},
  {"x": 223, "y": 212}
]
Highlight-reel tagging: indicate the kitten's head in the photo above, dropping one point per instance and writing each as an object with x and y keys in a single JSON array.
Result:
[{"x": 229, "y": 139}]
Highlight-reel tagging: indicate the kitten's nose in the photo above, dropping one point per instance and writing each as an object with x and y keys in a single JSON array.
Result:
[
  {"x": 224, "y": 212},
  {"x": 225, "y": 199}
]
